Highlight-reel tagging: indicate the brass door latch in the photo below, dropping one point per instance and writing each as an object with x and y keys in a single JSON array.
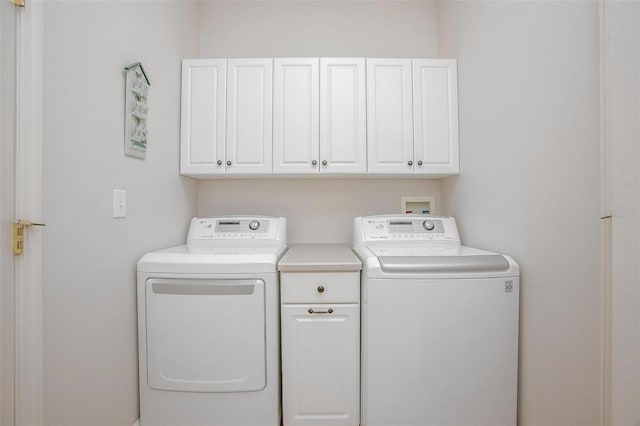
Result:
[{"x": 18, "y": 235}]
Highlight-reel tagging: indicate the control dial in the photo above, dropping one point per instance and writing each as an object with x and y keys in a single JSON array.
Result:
[
  {"x": 254, "y": 224},
  {"x": 428, "y": 225}
]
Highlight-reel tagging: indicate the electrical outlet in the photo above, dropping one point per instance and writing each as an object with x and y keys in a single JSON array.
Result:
[{"x": 119, "y": 203}]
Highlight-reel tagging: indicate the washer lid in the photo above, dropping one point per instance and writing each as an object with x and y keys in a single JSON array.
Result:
[
  {"x": 443, "y": 264},
  {"x": 434, "y": 262}
]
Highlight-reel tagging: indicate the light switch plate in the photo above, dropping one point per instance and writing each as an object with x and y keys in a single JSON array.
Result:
[{"x": 119, "y": 203}]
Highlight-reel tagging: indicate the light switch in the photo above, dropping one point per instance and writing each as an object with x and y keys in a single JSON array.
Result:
[{"x": 119, "y": 203}]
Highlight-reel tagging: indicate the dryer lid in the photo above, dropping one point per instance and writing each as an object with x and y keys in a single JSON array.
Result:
[{"x": 186, "y": 259}]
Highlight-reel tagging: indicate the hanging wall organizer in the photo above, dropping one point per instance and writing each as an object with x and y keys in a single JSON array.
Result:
[{"x": 136, "y": 110}]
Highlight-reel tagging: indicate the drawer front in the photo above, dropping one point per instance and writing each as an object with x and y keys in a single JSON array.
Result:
[{"x": 320, "y": 287}]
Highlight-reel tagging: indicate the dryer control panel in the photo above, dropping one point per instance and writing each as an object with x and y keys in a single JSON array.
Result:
[
  {"x": 406, "y": 228},
  {"x": 235, "y": 228}
]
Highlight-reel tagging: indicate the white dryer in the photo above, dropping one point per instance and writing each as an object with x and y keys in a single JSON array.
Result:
[
  {"x": 208, "y": 329},
  {"x": 439, "y": 325}
]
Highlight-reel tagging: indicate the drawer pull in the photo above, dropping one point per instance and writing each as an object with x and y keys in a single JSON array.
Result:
[
  {"x": 328, "y": 311},
  {"x": 320, "y": 289}
]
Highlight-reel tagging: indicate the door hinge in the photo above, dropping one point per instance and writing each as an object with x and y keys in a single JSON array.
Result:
[
  {"x": 19, "y": 3},
  {"x": 18, "y": 235}
]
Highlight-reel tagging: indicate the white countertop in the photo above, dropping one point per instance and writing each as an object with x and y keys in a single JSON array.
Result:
[{"x": 319, "y": 258}]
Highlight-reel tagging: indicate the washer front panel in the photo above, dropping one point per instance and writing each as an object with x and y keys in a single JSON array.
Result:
[{"x": 440, "y": 352}]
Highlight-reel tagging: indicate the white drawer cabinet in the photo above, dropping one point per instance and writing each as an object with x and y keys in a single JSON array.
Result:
[
  {"x": 325, "y": 287},
  {"x": 320, "y": 320}
]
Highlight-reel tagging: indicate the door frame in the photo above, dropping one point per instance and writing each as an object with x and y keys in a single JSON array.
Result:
[
  {"x": 28, "y": 266},
  {"x": 7, "y": 188}
]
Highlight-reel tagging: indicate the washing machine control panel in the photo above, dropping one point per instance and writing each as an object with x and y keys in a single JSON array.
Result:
[
  {"x": 233, "y": 228},
  {"x": 409, "y": 228}
]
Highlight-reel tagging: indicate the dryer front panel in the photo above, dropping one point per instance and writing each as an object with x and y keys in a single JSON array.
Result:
[{"x": 206, "y": 335}]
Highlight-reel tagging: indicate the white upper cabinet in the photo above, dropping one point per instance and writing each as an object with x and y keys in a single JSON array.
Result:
[
  {"x": 319, "y": 116},
  {"x": 249, "y": 115},
  {"x": 343, "y": 137},
  {"x": 295, "y": 115},
  {"x": 389, "y": 116},
  {"x": 202, "y": 139},
  {"x": 435, "y": 116}
]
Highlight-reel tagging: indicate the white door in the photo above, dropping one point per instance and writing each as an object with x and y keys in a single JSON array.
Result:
[
  {"x": 389, "y": 116},
  {"x": 202, "y": 137},
  {"x": 343, "y": 137},
  {"x": 249, "y": 115},
  {"x": 320, "y": 365},
  {"x": 21, "y": 367},
  {"x": 435, "y": 120},
  {"x": 295, "y": 115},
  {"x": 7, "y": 210}
]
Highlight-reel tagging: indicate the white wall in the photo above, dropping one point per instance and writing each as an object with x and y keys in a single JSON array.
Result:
[
  {"x": 317, "y": 210},
  {"x": 529, "y": 183},
  {"x": 621, "y": 60},
  {"x": 529, "y": 160},
  {"x": 318, "y": 28},
  {"x": 90, "y": 320}
]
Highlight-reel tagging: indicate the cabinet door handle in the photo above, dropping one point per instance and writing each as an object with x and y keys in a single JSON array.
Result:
[
  {"x": 314, "y": 162},
  {"x": 320, "y": 289},
  {"x": 410, "y": 163},
  {"x": 229, "y": 163},
  {"x": 420, "y": 163},
  {"x": 219, "y": 162},
  {"x": 328, "y": 311},
  {"x": 324, "y": 162}
]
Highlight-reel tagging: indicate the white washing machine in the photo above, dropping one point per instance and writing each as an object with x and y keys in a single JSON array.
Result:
[
  {"x": 439, "y": 325},
  {"x": 208, "y": 325}
]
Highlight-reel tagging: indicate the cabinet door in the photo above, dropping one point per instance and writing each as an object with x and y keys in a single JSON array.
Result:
[
  {"x": 320, "y": 365},
  {"x": 202, "y": 138},
  {"x": 249, "y": 118},
  {"x": 435, "y": 107},
  {"x": 389, "y": 116},
  {"x": 343, "y": 138},
  {"x": 295, "y": 115}
]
